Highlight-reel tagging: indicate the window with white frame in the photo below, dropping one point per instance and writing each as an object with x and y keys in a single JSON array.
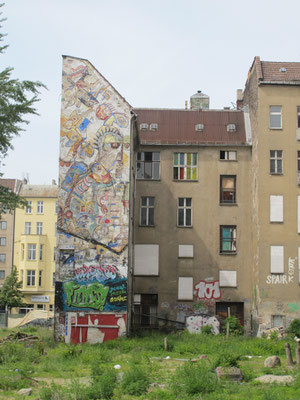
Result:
[
  {"x": 2, "y": 241},
  {"x": 39, "y": 228},
  {"x": 148, "y": 165},
  {"x": 40, "y": 207},
  {"x": 153, "y": 127},
  {"x": 2, "y": 258},
  {"x": 28, "y": 208},
  {"x": 276, "y": 208},
  {"x": 31, "y": 251},
  {"x": 147, "y": 211},
  {"x": 277, "y": 259},
  {"x": 275, "y": 117},
  {"x": 185, "y": 166},
  {"x": 30, "y": 277},
  {"x": 227, "y": 239},
  {"x": 228, "y": 155},
  {"x": 184, "y": 214},
  {"x": 276, "y": 157},
  {"x": 27, "y": 228},
  {"x": 41, "y": 252},
  {"x": 227, "y": 189},
  {"x": 3, "y": 225}
]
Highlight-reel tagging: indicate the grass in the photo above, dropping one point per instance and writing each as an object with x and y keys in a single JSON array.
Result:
[{"x": 85, "y": 372}]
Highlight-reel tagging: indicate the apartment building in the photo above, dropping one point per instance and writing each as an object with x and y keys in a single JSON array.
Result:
[
  {"x": 193, "y": 243},
  {"x": 7, "y": 223},
  {"x": 272, "y": 96},
  {"x": 35, "y": 244}
]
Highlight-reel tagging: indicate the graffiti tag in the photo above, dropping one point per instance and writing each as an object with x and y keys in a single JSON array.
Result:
[
  {"x": 208, "y": 290},
  {"x": 86, "y": 296}
]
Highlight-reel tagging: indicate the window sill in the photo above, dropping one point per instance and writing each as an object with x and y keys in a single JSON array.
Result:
[
  {"x": 148, "y": 179},
  {"x": 146, "y": 226},
  {"x": 184, "y": 257},
  {"x": 276, "y": 222},
  {"x": 185, "y": 180},
  {"x": 228, "y": 204},
  {"x": 233, "y": 253},
  {"x": 181, "y": 226},
  {"x": 276, "y": 173},
  {"x": 276, "y": 129},
  {"x": 220, "y": 159}
]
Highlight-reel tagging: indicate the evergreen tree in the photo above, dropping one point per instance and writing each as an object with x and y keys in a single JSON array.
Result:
[
  {"x": 10, "y": 295},
  {"x": 17, "y": 99}
]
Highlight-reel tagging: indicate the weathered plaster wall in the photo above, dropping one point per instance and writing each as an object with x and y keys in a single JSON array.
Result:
[{"x": 93, "y": 219}]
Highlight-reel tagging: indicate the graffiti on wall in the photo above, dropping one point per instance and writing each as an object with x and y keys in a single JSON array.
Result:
[
  {"x": 93, "y": 217},
  {"x": 208, "y": 290},
  {"x": 283, "y": 279},
  {"x": 195, "y": 323}
]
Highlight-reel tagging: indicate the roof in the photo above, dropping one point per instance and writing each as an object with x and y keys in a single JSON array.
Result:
[
  {"x": 277, "y": 71},
  {"x": 178, "y": 127},
  {"x": 39, "y": 191},
  {"x": 12, "y": 184}
]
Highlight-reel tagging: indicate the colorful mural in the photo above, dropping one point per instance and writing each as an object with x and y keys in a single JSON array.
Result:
[{"x": 93, "y": 218}]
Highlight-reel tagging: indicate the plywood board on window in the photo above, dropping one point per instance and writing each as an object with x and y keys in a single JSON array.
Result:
[
  {"x": 186, "y": 250},
  {"x": 228, "y": 278},
  {"x": 185, "y": 288},
  {"x": 146, "y": 259},
  {"x": 276, "y": 208},
  {"x": 277, "y": 259}
]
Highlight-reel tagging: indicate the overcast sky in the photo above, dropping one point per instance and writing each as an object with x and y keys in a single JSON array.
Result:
[{"x": 156, "y": 53}]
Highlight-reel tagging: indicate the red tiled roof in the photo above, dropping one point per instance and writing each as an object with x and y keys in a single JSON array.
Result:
[
  {"x": 278, "y": 71},
  {"x": 9, "y": 183},
  {"x": 178, "y": 126}
]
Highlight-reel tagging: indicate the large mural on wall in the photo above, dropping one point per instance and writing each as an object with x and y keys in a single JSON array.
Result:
[{"x": 93, "y": 217}]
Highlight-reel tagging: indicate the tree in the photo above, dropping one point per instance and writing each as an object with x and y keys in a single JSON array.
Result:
[
  {"x": 17, "y": 99},
  {"x": 10, "y": 295}
]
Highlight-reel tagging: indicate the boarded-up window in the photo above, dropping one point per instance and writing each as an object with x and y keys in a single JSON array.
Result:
[
  {"x": 186, "y": 250},
  {"x": 298, "y": 214},
  {"x": 228, "y": 279},
  {"x": 185, "y": 288},
  {"x": 276, "y": 208},
  {"x": 277, "y": 260},
  {"x": 146, "y": 259}
]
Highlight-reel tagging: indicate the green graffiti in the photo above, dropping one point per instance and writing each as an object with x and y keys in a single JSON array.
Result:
[
  {"x": 86, "y": 296},
  {"x": 293, "y": 307}
]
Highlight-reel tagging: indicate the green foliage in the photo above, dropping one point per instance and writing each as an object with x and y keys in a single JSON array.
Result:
[
  {"x": 104, "y": 384},
  {"x": 235, "y": 328},
  {"x": 294, "y": 328},
  {"x": 135, "y": 380},
  {"x": 194, "y": 378},
  {"x": 17, "y": 100},
  {"x": 10, "y": 295},
  {"x": 207, "y": 330},
  {"x": 227, "y": 359},
  {"x": 274, "y": 336}
]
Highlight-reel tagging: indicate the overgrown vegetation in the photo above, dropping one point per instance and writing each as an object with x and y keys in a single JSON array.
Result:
[{"x": 131, "y": 368}]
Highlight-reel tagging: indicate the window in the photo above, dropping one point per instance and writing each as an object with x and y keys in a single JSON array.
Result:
[
  {"x": 146, "y": 259},
  {"x": 40, "y": 207},
  {"x": 3, "y": 225},
  {"x": 227, "y": 189},
  {"x": 277, "y": 259},
  {"x": 228, "y": 155},
  {"x": 275, "y": 117},
  {"x": 22, "y": 251},
  {"x": 153, "y": 127},
  {"x": 298, "y": 117},
  {"x": 199, "y": 127},
  {"x": 54, "y": 254},
  {"x": 145, "y": 309},
  {"x": 39, "y": 228},
  {"x": 148, "y": 165},
  {"x": 2, "y": 241},
  {"x": 184, "y": 217},
  {"x": 228, "y": 278},
  {"x": 27, "y": 228},
  {"x": 276, "y": 208},
  {"x": 227, "y": 239},
  {"x": 147, "y": 211},
  {"x": 278, "y": 321},
  {"x": 231, "y": 128},
  {"x": 28, "y": 207},
  {"x": 53, "y": 279},
  {"x": 40, "y": 306},
  {"x": 26, "y": 309},
  {"x": 41, "y": 252},
  {"x": 185, "y": 166},
  {"x": 276, "y": 161},
  {"x": 2, "y": 274},
  {"x": 185, "y": 288},
  {"x": 56, "y": 208},
  {"x": 186, "y": 251},
  {"x": 31, "y": 251},
  {"x": 50, "y": 307},
  {"x": 30, "y": 278},
  {"x": 143, "y": 127},
  {"x": 40, "y": 278},
  {"x": 2, "y": 258}
]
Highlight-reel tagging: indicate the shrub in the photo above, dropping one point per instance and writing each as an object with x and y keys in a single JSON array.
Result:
[
  {"x": 207, "y": 330},
  {"x": 235, "y": 327},
  {"x": 194, "y": 378},
  {"x": 226, "y": 359},
  {"x": 135, "y": 380},
  {"x": 294, "y": 328}
]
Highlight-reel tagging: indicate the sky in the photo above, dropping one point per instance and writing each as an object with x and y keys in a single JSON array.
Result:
[{"x": 156, "y": 53}]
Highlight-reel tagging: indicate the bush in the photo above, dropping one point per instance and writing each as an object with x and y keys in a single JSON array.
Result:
[
  {"x": 194, "y": 378},
  {"x": 226, "y": 359},
  {"x": 135, "y": 380},
  {"x": 294, "y": 328},
  {"x": 235, "y": 328},
  {"x": 207, "y": 330}
]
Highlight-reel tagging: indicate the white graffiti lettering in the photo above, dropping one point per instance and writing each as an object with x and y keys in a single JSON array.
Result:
[{"x": 208, "y": 290}]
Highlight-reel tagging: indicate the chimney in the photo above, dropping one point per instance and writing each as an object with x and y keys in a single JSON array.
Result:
[{"x": 239, "y": 98}]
